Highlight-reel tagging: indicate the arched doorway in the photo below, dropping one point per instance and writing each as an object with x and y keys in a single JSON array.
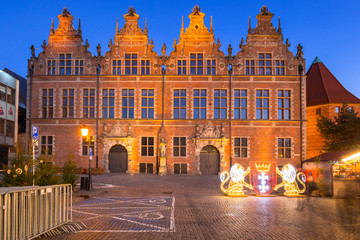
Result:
[
  {"x": 209, "y": 160},
  {"x": 118, "y": 159}
]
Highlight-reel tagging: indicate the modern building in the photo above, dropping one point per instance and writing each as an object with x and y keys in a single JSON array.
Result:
[
  {"x": 9, "y": 102},
  {"x": 324, "y": 96},
  {"x": 197, "y": 110}
]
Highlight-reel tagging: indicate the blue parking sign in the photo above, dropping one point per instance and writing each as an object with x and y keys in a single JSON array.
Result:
[{"x": 35, "y": 132}]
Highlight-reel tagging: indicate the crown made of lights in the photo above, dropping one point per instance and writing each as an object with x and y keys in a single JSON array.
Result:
[{"x": 263, "y": 167}]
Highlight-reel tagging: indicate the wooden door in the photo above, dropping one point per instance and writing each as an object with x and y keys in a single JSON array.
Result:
[
  {"x": 209, "y": 161},
  {"x": 118, "y": 160}
]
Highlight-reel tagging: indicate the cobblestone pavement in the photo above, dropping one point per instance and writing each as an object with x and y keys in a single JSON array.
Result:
[{"x": 193, "y": 207}]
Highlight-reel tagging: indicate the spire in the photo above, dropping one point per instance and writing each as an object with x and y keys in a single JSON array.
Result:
[
  {"x": 316, "y": 60},
  {"x": 117, "y": 26},
  {"x": 52, "y": 27},
  {"x": 79, "y": 29},
  {"x": 182, "y": 25},
  {"x": 279, "y": 27},
  {"x": 250, "y": 29},
  {"x": 211, "y": 26},
  {"x": 146, "y": 30}
]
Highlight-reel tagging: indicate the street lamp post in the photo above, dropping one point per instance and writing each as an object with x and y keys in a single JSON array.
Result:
[{"x": 84, "y": 133}]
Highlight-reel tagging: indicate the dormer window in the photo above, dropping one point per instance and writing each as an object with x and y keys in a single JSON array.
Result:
[
  {"x": 145, "y": 67},
  {"x": 79, "y": 67},
  {"x": 196, "y": 63},
  {"x": 211, "y": 66},
  {"x": 265, "y": 63},
  {"x": 181, "y": 67},
  {"x": 65, "y": 64},
  {"x": 51, "y": 67},
  {"x": 116, "y": 67},
  {"x": 279, "y": 67},
  {"x": 250, "y": 67},
  {"x": 131, "y": 64}
]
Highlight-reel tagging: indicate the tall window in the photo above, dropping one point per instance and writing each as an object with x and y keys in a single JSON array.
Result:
[
  {"x": 265, "y": 64},
  {"x": 108, "y": 103},
  {"x": 196, "y": 63},
  {"x": 147, "y": 146},
  {"x": 250, "y": 67},
  {"x": 145, "y": 67},
  {"x": 262, "y": 104},
  {"x": 181, "y": 67},
  {"x": 131, "y": 63},
  {"x": 240, "y": 104},
  {"x": 147, "y": 103},
  {"x": 85, "y": 145},
  {"x": 89, "y": 103},
  {"x": 47, "y": 145},
  {"x": 79, "y": 67},
  {"x": 284, "y": 104},
  {"x": 279, "y": 67},
  {"x": 128, "y": 103},
  {"x": 68, "y": 103},
  {"x": 116, "y": 67},
  {"x": 220, "y": 103},
  {"x": 179, "y": 146},
  {"x": 180, "y": 103},
  {"x": 200, "y": 103},
  {"x": 51, "y": 67},
  {"x": 241, "y": 147},
  {"x": 47, "y": 103},
  {"x": 284, "y": 148},
  {"x": 65, "y": 64},
  {"x": 211, "y": 67}
]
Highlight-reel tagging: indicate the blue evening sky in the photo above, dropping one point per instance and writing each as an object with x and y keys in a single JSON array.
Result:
[{"x": 328, "y": 29}]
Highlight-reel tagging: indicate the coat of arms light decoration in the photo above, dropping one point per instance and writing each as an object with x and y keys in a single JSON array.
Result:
[{"x": 262, "y": 179}]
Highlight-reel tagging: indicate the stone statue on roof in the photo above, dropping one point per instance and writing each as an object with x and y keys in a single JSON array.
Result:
[
  {"x": 32, "y": 48},
  {"x": 230, "y": 50},
  {"x": 98, "y": 48},
  {"x": 196, "y": 10},
  {"x": 264, "y": 10},
  {"x": 163, "y": 49},
  {"x": 131, "y": 11},
  {"x": 65, "y": 12},
  {"x": 299, "y": 54}
]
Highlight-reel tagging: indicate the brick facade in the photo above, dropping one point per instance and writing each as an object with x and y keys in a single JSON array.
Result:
[{"x": 195, "y": 63}]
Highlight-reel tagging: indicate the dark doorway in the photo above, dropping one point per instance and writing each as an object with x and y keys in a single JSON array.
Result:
[
  {"x": 209, "y": 160},
  {"x": 118, "y": 159}
]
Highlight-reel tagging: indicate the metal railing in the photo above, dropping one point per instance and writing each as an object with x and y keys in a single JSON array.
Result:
[{"x": 27, "y": 212}]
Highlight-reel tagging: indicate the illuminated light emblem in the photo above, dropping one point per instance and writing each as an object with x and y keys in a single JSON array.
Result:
[
  {"x": 237, "y": 181},
  {"x": 263, "y": 176},
  {"x": 289, "y": 183}
]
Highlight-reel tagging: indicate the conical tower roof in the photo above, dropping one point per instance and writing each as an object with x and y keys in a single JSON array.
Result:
[{"x": 323, "y": 88}]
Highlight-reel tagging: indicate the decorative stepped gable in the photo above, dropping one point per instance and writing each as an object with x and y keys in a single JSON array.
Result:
[{"x": 323, "y": 88}]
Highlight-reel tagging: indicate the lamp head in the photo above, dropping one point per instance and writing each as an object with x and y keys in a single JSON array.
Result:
[{"x": 84, "y": 131}]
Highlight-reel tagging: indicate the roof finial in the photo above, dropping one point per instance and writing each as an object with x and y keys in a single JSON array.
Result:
[
  {"x": 52, "y": 27},
  {"x": 279, "y": 27},
  {"x": 117, "y": 26},
  {"x": 211, "y": 26},
  {"x": 250, "y": 29},
  {"x": 146, "y": 30},
  {"x": 79, "y": 29},
  {"x": 182, "y": 25}
]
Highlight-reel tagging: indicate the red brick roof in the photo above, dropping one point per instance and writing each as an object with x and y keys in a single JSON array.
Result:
[{"x": 323, "y": 88}]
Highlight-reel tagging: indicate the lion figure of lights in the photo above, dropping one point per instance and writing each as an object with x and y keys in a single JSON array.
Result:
[
  {"x": 237, "y": 181},
  {"x": 289, "y": 183}
]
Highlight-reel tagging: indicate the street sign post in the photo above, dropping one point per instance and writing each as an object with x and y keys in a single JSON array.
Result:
[
  {"x": 35, "y": 142},
  {"x": 35, "y": 132}
]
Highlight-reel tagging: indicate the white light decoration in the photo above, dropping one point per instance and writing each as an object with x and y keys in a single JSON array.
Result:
[
  {"x": 237, "y": 182},
  {"x": 289, "y": 183},
  {"x": 263, "y": 187}
]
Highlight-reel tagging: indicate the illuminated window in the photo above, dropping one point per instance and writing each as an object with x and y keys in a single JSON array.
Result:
[
  {"x": 89, "y": 103},
  {"x": 200, "y": 103},
  {"x": 147, "y": 103},
  {"x": 211, "y": 67},
  {"x": 250, "y": 67},
  {"x": 220, "y": 103},
  {"x": 116, "y": 67},
  {"x": 337, "y": 109},
  {"x": 145, "y": 67},
  {"x": 241, "y": 147},
  {"x": 262, "y": 104},
  {"x": 85, "y": 145},
  {"x": 79, "y": 67},
  {"x": 180, "y": 103},
  {"x": 47, "y": 103},
  {"x": 181, "y": 67},
  {"x": 179, "y": 146},
  {"x": 180, "y": 168},
  {"x": 128, "y": 103},
  {"x": 240, "y": 104},
  {"x": 147, "y": 146},
  {"x": 131, "y": 63},
  {"x": 65, "y": 64},
  {"x": 108, "y": 103},
  {"x": 265, "y": 64},
  {"x": 284, "y": 104},
  {"x": 279, "y": 67},
  {"x": 68, "y": 103},
  {"x": 196, "y": 64},
  {"x": 51, "y": 67},
  {"x": 47, "y": 145},
  {"x": 284, "y": 148}
]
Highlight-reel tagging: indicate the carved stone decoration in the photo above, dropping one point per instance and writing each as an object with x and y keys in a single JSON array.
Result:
[
  {"x": 210, "y": 132},
  {"x": 117, "y": 131},
  {"x": 162, "y": 147}
]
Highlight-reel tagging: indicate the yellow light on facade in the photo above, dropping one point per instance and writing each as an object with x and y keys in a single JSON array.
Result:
[
  {"x": 354, "y": 157},
  {"x": 84, "y": 132}
]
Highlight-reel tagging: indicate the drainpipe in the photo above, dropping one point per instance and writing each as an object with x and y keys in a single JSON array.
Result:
[
  {"x": 301, "y": 70},
  {"x": 98, "y": 70},
  {"x": 230, "y": 115},
  {"x": 31, "y": 73},
  {"x": 163, "y": 72}
]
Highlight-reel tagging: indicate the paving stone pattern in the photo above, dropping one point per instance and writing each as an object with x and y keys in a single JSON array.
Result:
[{"x": 193, "y": 207}]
